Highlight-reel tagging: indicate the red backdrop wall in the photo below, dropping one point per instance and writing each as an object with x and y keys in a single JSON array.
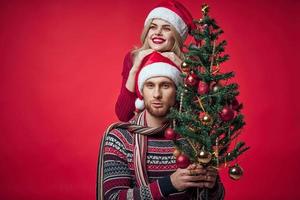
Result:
[{"x": 60, "y": 74}]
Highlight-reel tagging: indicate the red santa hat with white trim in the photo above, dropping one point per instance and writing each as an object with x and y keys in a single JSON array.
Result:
[
  {"x": 176, "y": 14},
  {"x": 155, "y": 65}
]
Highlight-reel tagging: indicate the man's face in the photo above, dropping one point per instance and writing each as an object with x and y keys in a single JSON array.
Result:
[{"x": 159, "y": 95}]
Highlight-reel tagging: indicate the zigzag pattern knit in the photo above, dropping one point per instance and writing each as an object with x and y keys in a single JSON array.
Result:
[{"x": 119, "y": 177}]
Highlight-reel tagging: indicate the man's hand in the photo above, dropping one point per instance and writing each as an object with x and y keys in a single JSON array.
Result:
[
  {"x": 211, "y": 177},
  {"x": 194, "y": 176}
]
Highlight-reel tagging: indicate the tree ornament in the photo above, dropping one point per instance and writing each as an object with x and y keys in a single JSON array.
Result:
[
  {"x": 204, "y": 156},
  {"x": 200, "y": 21},
  {"x": 205, "y": 26},
  {"x": 192, "y": 128},
  {"x": 203, "y": 88},
  {"x": 185, "y": 67},
  {"x": 176, "y": 153},
  {"x": 215, "y": 69},
  {"x": 170, "y": 134},
  {"x": 235, "y": 105},
  {"x": 213, "y": 132},
  {"x": 191, "y": 80},
  {"x": 194, "y": 58},
  {"x": 205, "y": 9},
  {"x": 182, "y": 161},
  {"x": 205, "y": 118},
  {"x": 235, "y": 172},
  {"x": 226, "y": 114},
  {"x": 215, "y": 87}
]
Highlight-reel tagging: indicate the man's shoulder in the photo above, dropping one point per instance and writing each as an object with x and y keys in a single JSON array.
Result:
[{"x": 120, "y": 133}]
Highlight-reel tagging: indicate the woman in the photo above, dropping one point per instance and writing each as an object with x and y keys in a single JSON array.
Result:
[{"x": 165, "y": 29}]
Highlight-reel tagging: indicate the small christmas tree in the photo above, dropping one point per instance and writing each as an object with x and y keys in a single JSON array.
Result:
[{"x": 209, "y": 114}]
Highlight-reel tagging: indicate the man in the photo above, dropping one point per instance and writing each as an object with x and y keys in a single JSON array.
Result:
[{"x": 136, "y": 161}]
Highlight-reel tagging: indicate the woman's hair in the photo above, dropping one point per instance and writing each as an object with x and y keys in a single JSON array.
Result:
[{"x": 176, "y": 47}]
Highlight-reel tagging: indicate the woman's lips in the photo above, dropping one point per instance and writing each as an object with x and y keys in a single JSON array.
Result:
[{"x": 158, "y": 40}]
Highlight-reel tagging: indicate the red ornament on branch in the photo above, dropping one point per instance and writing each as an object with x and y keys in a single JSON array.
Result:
[
  {"x": 235, "y": 105},
  {"x": 227, "y": 114},
  {"x": 170, "y": 134},
  {"x": 182, "y": 161},
  {"x": 203, "y": 88},
  {"x": 191, "y": 80}
]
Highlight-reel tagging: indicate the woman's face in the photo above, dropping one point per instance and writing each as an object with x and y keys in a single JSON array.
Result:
[{"x": 160, "y": 36}]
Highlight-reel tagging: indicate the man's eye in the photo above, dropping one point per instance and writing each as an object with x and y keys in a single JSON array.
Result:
[
  {"x": 149, "y": 85},
  {"x": 166, "y": 86}
]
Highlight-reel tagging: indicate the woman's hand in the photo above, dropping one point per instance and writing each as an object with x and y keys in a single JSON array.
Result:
[
  {"x": 173, "y": 57},
  {"x": 130, "y": 83},
  {"x": 138, "y": 59}
]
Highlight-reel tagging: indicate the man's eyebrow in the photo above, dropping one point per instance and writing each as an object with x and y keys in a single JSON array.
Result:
[
  {"x": 166, "y": 82},
  {"x": 148, "y": 82}
]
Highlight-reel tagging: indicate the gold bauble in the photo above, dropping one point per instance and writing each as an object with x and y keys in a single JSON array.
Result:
[
  {"x": 216, "y": 87},
  {"x": 176, "y": 153},
  {"x": 235, "y": 172},
  {"x": 204, "y": 157},
  {"x": 206, "y": 119},
  {"x": 184, "y": 65}
]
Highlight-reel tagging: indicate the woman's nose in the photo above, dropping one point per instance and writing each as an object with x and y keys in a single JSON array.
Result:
[{"x": 158, "y": 31}]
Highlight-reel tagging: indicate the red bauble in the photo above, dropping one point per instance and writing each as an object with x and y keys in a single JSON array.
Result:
[
  {"x": 227, "y": 114},
  {"x": 170, "y": 134},
  {"x": 203, "y": 88},
  {"x": 182, "y": 161},
  {"x": 235, "y": 105},
  {"x": 191, "y": 80}
]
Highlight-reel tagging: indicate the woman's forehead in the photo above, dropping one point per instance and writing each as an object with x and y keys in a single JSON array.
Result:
[{"x": 162, "y": 22}]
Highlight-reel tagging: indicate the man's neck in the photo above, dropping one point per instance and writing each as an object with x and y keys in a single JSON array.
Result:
[{"x": 153, "y": 121}]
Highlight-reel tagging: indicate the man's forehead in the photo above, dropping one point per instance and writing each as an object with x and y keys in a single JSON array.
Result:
[{"x": 159, "y": 79}]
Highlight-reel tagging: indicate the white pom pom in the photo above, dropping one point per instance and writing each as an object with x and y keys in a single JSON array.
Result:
[{"x": 139, "y": 104}]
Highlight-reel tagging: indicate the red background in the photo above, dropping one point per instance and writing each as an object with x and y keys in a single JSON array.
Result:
[{"x": 60, "y": 74}]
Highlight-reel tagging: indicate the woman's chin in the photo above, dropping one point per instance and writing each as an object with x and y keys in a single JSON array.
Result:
[{"x": 159, "y": 48}]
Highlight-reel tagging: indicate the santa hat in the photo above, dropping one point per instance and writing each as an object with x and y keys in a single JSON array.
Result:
[
  {"x": 154, "y": 65},
  {"x": 176, "y": 14}
]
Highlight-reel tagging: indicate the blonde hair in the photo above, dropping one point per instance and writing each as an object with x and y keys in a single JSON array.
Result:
[{"x": 178, "y": 43}]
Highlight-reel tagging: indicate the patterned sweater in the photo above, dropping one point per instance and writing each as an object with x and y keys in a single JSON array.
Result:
[{"x": 119, "y": 176}]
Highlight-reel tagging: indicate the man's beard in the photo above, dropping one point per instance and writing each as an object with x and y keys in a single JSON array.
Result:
[{"x": 160, "y": 113}]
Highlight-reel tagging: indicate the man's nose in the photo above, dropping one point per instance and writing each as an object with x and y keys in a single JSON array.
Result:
[{"x": 157, "y": 93}]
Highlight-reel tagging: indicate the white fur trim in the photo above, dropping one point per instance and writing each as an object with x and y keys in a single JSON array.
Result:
[
  {"x": 139, "y": 104},
  {"x": 158, "y": 69},
  {"x": 171, "y": 17}
]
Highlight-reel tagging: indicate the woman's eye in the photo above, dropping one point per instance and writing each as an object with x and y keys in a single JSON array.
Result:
[{"x": 167, "y": 29}]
